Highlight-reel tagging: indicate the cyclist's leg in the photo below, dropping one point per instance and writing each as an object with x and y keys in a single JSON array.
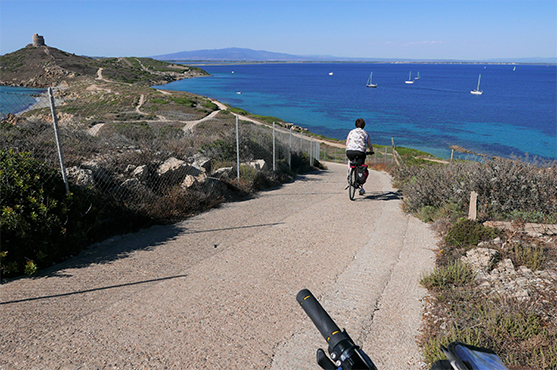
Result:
[
  {"x": 361, "y": 159},
  {"x": 352, "y": 156}
]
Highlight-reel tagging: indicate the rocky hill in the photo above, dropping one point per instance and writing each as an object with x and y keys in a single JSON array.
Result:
[{"x": 44, "y": 66}]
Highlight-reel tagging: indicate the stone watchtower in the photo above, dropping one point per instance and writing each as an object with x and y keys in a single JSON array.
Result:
[{"x": 38, "y": 40}]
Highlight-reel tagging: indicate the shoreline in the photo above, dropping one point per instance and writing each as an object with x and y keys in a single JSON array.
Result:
[
  {"x": 251, "y": 62},
  {"x": 491, "y": 144}
]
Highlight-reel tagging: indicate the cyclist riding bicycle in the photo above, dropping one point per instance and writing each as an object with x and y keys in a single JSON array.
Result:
[{"x": 356, "y": 144}]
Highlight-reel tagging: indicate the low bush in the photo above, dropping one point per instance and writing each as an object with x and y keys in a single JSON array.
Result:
[
  {"x": 467, "y": 233},
  {"x": 505, "y": 188},
  {"x": 454, "y": 274},
  {"x": 521, "y": 331},
  {"x": 184, "y": 101},
  {"x": 531, "y": 256},
  {"x": 40, "y": 223}
]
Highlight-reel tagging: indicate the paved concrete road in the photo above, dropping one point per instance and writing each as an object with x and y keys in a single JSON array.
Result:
[{"x": 218, "y": 291}]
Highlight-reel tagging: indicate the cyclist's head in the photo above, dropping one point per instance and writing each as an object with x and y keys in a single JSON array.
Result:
[{"x": 360, "y": 123}]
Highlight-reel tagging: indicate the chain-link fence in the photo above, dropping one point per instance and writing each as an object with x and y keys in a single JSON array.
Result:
[
  {"x": 131, "y": 158},
  {"x": 134, "y": 156}
]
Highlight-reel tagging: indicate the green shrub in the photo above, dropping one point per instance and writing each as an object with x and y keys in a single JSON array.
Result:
[
  {"x": 221, "y": 150},
  {"x": 185, "y": 102},
  {"x": 445, "y": 277},
  {"x": 158, "y": 101},
  {"x": 466, "y": 233},
  {"x": 509, "y": 327},
  {"x": 254, "y": 180},
  {"x": 136, "y": 131},
  {"x": 210, "y": 105},
  {"x": 238, "y": 111},
  {"x": 40, "y": 223},
  {"x": 531, "y": 256},
  {"x": 506, "y": 188}
]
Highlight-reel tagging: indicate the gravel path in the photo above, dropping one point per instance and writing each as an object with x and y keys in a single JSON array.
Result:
[{"x": 218, "y": 291}]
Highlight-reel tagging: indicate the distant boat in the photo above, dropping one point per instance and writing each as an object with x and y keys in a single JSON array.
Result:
[
  {"x": 477, "y": 91},
  {"x": 417, "y": 77},
  {"x": 369, "y": 83},
  {"x": 409, "y": 80},
  {"x": 514, "y": 69},
  {"x": 239, "y": 92},
  {"x": 330, "y": 73}
]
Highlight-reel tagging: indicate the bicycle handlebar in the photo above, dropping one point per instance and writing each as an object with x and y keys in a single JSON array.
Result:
[
  {"x": 343, "y": 351},
  {"x": 348, "y": 356},
  {"x": 321, "y": 319}
]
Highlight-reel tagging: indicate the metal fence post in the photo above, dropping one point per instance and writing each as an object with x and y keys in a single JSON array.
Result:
[
  {"x": 238, "y": 148},
  {"x": 311, "y": 152},
  {"x": 57, "y": 137},
  {"x": 290, "y": 151},
  {"x": 274, "y": 150}
]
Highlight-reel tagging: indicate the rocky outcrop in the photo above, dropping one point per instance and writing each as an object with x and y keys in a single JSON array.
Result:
[
  {"x": 144, "y": 181},
  {"x": 12, "y": 119},
  {"x": 501, "y": 277}
]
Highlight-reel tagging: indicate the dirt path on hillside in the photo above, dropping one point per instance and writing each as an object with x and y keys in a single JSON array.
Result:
[
  {"x": 218, "y": 291},
  {"x": 189, "y": 125}
]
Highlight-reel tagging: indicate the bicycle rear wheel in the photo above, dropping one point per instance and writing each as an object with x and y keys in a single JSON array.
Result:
[{"x": 353, "y": 184}]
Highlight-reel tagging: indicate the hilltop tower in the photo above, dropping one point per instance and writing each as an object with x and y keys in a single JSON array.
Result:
[{"x": 38, "y": 40}]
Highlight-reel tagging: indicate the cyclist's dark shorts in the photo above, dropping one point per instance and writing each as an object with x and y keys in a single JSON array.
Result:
[{"x": 356, "y": 156}]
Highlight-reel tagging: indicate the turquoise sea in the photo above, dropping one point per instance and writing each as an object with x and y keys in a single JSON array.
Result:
[
  {"x": 17, "y": 99},
  {"x": 516, "y": 116}
]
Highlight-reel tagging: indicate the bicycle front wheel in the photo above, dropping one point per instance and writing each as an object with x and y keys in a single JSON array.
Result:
[{"x": 353, "y": 184}]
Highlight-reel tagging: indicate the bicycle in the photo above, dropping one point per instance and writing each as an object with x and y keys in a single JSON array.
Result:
[
  {"x": 346, "y": 355},
  {"x": 357, "y": 176}
]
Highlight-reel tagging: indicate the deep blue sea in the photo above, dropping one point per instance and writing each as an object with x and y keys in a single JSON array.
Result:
[
  {"x": 515, "y": 116},
  {"x": 17, "y": 99}
]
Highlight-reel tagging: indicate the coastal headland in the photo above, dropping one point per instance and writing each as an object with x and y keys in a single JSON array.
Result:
[{"x": 42, "y": 66}]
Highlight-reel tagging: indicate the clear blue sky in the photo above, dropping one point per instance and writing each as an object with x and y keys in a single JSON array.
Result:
[{"x": 413, "y": 29}]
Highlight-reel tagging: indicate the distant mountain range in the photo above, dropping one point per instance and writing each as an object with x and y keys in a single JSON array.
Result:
[
  {"x": 240, "y": 55},
  {"x": 249, "y": 55}
]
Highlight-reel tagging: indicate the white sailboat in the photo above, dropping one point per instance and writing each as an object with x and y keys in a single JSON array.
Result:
[
  {"x": 409, "y": 80},
  {"x": 369, "y": 83},
  {"x": 417, "y": 77},
  {"x": 477, "y": 91}
]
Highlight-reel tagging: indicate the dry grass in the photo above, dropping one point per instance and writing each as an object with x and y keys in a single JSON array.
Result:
[{"x": 523, "y": 331}]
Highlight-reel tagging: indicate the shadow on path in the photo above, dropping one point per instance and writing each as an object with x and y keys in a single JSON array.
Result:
[
  {"x": 91, "y": 290},
  {"x": 384, "y": 195}
]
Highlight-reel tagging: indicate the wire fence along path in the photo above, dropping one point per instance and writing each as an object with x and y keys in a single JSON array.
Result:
[{"x": 135, "y": 155}]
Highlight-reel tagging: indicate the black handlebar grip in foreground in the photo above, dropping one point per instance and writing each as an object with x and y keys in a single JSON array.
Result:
[
  {"x": 321, "y": 319},
  {"x": 343, "y": 351}
]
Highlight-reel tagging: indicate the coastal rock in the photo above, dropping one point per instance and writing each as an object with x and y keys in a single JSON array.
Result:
[
  {"x": 135, "y": 189},
  {"x": 12, "y": 119},
  {"x": 141, "y": 172},
  {"x": 258, "y": 164},
  {"x": 191, "y": 181},
  {"x": 532, "y": 229},
  {"x": 99, "y": 173},
  {"x": 215, "y": 188},
  {"x": 201, "y": 162},
  {"x": 81, "y": 176},
  {"x": 480, "y": 258},
  {"x": 173, "y": 171},
  {"x": 224, "y": 173}
]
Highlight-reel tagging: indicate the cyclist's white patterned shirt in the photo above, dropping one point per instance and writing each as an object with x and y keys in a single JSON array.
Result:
[{"x": 357, "y": 140}]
